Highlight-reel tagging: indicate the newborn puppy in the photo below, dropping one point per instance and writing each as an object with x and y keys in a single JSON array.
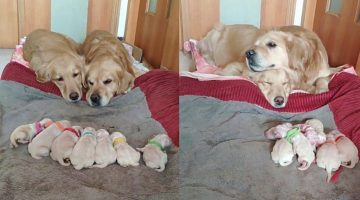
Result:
[
  {"x": 24, "y": 133},
  {"x": 317, "y": 125},
  {"x": 105, "y": 153},
  {"x": 302, "y": 148},
  {"x": 83, "y": 154},
  {"x": 126, "y": 155},
  {"x": 41, "y": 143},
  {"x": 348, "y": 152},
  {"x": 327, "y": 156},
  {"x": 278, "y": 131},
  {"x": 315, "y": 134},
  {"x": 282, "y": 152},
  {"x": 153, "y": 153},
  {"x": 63, "y": 145}
]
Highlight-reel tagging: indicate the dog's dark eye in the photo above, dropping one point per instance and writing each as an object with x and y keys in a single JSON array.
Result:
[
  {"x": 60, "y": 79},
  {"x": 91, "y": 83},
  {"x": 75, "y": 75},
  {"x": 107, "y": 81},
  {"x": 271, "y": 44}
]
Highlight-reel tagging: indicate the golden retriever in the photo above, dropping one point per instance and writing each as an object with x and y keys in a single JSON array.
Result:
[
  {"x": 108, "y": 69},
  {"x": 54, "y": 57},
  {"x": 292, "y": 48},
  {"x": 275, "y": 84},
  {"x": 227, "y": 43}
]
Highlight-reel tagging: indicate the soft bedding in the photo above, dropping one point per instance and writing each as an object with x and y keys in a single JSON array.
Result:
[
  {"x": 135, "y": 114},
  {"x": 226, "y": 156}
]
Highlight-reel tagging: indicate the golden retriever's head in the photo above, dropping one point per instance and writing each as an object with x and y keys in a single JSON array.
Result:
[
  {"x": 278, "y": 49},
  {"x": 275, "y": 85},
  {"x": 105, "y": 78},
  {"x": 67, "y": 72}
]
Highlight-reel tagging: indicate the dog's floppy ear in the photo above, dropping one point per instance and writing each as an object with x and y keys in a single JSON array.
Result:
[
  {"x": 43, "y": 74},
  {"x": 125, "y": 81},
  {"x": 298, "y": 50}
]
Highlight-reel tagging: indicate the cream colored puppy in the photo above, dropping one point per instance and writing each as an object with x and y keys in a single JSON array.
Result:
[
  {"x": 63, "y": 145},
  {"x": 41, "y": 144},
  {"x": 302, "y": 148},
  {"x": 126, "y": 155},
  {"x": 154, "y": 154},
  {"x": 327, "y": 156},
  {"x": 313, "y": 130},
  {"x": 83, "y": 154},
  {"x": 282, "y": 152},
  {"x": 24, "y": 133},
  {"x": 275, "y": 86},
  {"x": 105, "y": 153},
  {"x": 348, "y": 152}
]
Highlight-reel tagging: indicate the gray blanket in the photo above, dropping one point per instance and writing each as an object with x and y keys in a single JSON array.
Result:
[
  {"x": 224, "y": 155},
  {"x": 22, "y": 177}
]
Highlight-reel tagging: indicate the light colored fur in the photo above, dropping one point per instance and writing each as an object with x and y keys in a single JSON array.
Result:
[
  {"x": 83, "y": 154},
  {"x": 105, "y": 154},
  {"x": 54, "y": 57},
  {"x": 278, "y": 131},
  {"x": 282, "y": 152},
  {"x": 327, "y": 156},
  {"x": 63, "y": 145},
  {"x": 24, "y": 133},
  {"x": 304, "y": 150},
  {"x": 126, "y": 155},
  {"x": 348, "y": 152},
  {"x": 153, "y": 156},
  {"x": 108, "y": 68},
  {"x": 227, "y": 43},
  {"x": 40, "y": 146}
]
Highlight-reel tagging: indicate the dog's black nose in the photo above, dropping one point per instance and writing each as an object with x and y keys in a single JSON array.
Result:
[
  {"x": 95, "y": 99},
  {"x": 279, "y": 100},
  {"x": 250, "y": 53},
  {"x": 74, "y": 96}
]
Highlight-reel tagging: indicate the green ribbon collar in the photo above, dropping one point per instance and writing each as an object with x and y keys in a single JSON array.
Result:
[
  {"x": 291, "y": 134},
  {"x": 156, "y": 143}
]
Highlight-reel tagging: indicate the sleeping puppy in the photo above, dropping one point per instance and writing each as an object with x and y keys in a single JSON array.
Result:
[
  {"x": 154, "y": 154},
  {"x": 348, "y": 152},
  {"x": 41, "y": 144},
  {"x": 227, "y": 43},
  {"x": 327, "y": 156},
  {"x": 83, "y": 154},
  {"x": 105, "y": 153},
  {"x": 278, "y": 131},
  {"x": 126, "y": 155},
  {"x": 282, "y": 152},
  {"x": 275, "y": 85},
  {"x": 302, "y": 148},
  {"x": 284, "y": 49},
  {"x": 24, "y": 133},
  {"x": 108, "y": 69},
  {"x": 55, "y": 58},
  {"x": 63, "y": 145}
]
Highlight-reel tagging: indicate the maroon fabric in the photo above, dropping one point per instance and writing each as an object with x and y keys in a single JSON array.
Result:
[
  {"x": 343, "y": 99},
  {"x": 162, "y": 94},
  {"x": 160, "y": 88},
  {"x": 21, "y": 74}
]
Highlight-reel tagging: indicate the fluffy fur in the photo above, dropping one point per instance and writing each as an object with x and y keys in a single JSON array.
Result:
[
  {"x": 108, "y": 69},
  {"x": 126, "y": 155},
  {"x": 304, "y": 151},
  {"x": 327, "y": 156},
  {"x": 348, "y": 152},
  {"x": 278, "y": 131},
  {"x": 40, "y": 146},
  {"x": 63, "y": 145},
  {"x": 154, "y": 156},
  {"x": 83, "y": 154},
  {"x": 54, "y": 57},
  {"x": 24, "y": 133},
  {"x": 282, "y": 152},
  {"x": 105, "y": 153}
]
